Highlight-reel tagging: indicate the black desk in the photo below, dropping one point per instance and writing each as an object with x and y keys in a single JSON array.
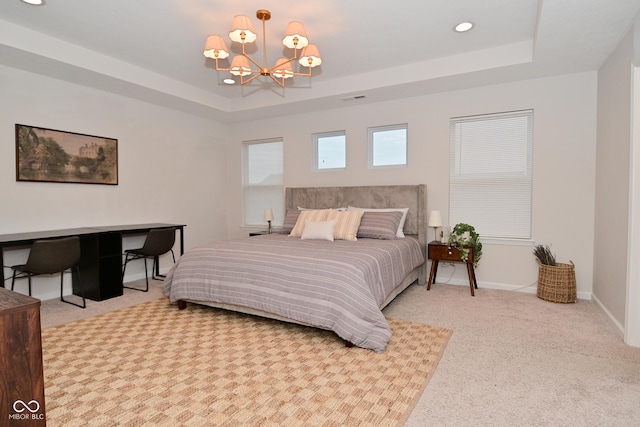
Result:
[{"x": 101, "y": 253}]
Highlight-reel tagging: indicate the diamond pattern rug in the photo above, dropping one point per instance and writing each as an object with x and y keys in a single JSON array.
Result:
[{"x": 152, "y": 364}]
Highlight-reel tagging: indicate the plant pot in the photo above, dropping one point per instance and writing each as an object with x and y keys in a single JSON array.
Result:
[{"x": 557, "y": 283}]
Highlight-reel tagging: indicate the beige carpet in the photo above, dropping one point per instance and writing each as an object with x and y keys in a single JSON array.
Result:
[{"x": 153, "y": 364}]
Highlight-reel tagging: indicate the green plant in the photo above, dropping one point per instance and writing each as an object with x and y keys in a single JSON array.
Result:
[
  {"x": 465, "y": 235},
  {"x": 544, "y": 255}
]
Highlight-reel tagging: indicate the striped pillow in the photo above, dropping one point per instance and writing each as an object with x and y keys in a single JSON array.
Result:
[
  {"x": 379, "y": 225},
  {"x": 347, "y": 223},
  {"x": 313, "y": 215}
]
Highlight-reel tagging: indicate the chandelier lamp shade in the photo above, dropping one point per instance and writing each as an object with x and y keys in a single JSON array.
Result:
[{"x": 244, "y": 66}]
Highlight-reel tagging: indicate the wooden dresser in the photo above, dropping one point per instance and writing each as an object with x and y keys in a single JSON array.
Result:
[{"x": 21, "y": 371}]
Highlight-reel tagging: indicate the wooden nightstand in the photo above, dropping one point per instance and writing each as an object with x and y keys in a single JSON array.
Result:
[{"x": 443, "y": 252}]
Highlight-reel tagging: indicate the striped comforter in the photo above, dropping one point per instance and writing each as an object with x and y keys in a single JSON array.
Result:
[{"x": 339, "y": 285}]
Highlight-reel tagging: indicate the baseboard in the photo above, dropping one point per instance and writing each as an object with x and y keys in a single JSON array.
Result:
[
  {"x": 529, "y": 289},
  {"x": 618, "y": 325}
]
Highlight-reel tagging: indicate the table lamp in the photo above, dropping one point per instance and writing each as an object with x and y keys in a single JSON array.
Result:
[
  {"x": 268, "y": 216},
  {"x": 435, "y": 221}
]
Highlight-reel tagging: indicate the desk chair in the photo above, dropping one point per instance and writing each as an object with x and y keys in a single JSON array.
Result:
[
  {"x": 159, "y": 241},
  {"x": 50, "y": 257}
]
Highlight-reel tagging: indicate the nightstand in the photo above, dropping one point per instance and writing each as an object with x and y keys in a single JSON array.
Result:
[
  {"x": 258, "y": 233},
  {"x": 443, "y": 252}
]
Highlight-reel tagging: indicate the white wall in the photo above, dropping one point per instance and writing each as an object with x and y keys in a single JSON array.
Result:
[
  {"x": 172, "y": 167},
  {"x": 564, "y": 164},
  {"x": 612, "y": 185}
]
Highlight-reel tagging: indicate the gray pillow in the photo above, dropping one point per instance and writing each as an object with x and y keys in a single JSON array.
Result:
[{"x": 379, "y": 225}]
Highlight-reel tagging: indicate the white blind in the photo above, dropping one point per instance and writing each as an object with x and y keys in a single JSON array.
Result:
[
  {"x": 262, "y": 181},
  {"x": 491, "y": 165}
]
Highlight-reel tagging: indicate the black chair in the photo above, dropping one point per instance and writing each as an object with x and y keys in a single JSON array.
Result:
[
  {"x": 159, "y": 241},
  {"x": 50, "y": 257}
]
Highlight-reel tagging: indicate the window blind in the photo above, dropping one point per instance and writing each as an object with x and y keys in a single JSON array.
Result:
[
  {"x": 263, "y": 165},
  {"x": 491, "y": 166}
]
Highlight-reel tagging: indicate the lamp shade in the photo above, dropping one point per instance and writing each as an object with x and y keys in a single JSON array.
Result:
[
  {"x": 215, "y": 47},
  {"x": 242, "y": 24},
  {"x": 310, "y": 56},
  {"x": 268, "y": 214},
  {"x": 283, "y": 69},
  {"x": 240, "y": 66},
  {"x": 435, "y": 219},
  {"x": 295, "y": 37}
]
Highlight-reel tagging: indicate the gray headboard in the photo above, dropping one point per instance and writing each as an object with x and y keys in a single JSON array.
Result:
[{"x": 413, "y": 197}]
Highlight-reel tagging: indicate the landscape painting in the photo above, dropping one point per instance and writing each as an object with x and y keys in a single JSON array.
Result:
[{"x": 48, "y": 155}]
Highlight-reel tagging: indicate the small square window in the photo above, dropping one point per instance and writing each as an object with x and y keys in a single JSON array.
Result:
[
  {"x": 388, "y": 145},
  {"x": 330, "y": 150}
]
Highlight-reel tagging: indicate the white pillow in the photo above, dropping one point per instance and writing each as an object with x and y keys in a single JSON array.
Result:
[
  {"x": 320, "y": 230},
  {"x": 312, "y": 215},
  {"x": 399, "y": 232}
]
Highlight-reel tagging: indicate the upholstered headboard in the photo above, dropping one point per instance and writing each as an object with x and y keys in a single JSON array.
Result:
[
  {"x": 385, "y": 196},
  {"x": 413, "y": 197}
]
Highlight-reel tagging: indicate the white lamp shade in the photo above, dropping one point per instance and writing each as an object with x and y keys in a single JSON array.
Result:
[
  {"x": 215, "y": 47},
  {"x": 435, "y": 219},
  {"x": 295, "y": 37},
  {"x": 283, "y": 69},
  {"x": 310, "y": 56},
  {"x": 240, "y": 66},
  {"x": 268, "y": 214},
  {"x": 242, "y": 24}
]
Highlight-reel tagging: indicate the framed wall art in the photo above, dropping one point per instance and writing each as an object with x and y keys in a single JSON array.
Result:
[{"x": 48, "y": 155}]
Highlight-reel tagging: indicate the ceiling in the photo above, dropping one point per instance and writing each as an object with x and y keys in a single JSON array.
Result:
[{"x": 152, "y": 49}]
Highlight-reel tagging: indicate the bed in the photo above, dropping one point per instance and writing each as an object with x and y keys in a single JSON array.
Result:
[{"x": 339, "y": 285}]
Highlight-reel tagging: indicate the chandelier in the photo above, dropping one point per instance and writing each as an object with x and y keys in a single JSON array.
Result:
[{"x": 242, "y": 31}]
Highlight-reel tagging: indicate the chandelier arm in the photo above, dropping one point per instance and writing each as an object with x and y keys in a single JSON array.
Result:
[
  {"x": 254, "y": 63},
  {"x": 221, "y": 69},
  {"x": 281, "y": 83},
  {"x": 281, "y": 64},
  {"x": 250, "y": 79},
  {"x": 303, "y": 74}
]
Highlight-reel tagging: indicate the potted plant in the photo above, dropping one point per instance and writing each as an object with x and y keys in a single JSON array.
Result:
[{"x": 465, "y": 235}]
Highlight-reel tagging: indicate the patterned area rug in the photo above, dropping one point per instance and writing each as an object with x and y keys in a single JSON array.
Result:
[{"x": 153, "y": 364}]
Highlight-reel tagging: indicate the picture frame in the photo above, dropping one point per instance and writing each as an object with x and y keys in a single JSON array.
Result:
[{"x": 50, "y": 155}]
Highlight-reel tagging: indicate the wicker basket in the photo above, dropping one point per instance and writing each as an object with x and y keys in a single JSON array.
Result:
[{"x": 557, "y": 283}]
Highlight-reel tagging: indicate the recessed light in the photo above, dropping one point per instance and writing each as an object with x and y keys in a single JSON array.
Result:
[
  {"x": 229, "y": 81},
  {"x": 34, "y": 2},
  {"x": 463, "y": 26}
]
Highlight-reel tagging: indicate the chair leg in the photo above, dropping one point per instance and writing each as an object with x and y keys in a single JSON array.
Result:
[
  {"x": 157, "y": 259},
  {"x": 13, "y": 280},
  {"x": 146, "y": 275},
  {"x": 84, "y": 302},
  {"x": 126, "y": 261}
]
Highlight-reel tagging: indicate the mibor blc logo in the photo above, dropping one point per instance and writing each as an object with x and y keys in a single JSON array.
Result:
[{"x": 26, "y": 411}]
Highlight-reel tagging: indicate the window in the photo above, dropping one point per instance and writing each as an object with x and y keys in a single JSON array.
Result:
[
  {"x": 262, "y": 181},
  {"x": 388, "y": 145},
  {"x": 490, "y": 182},
  {"x": 330, "y": 150}
]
